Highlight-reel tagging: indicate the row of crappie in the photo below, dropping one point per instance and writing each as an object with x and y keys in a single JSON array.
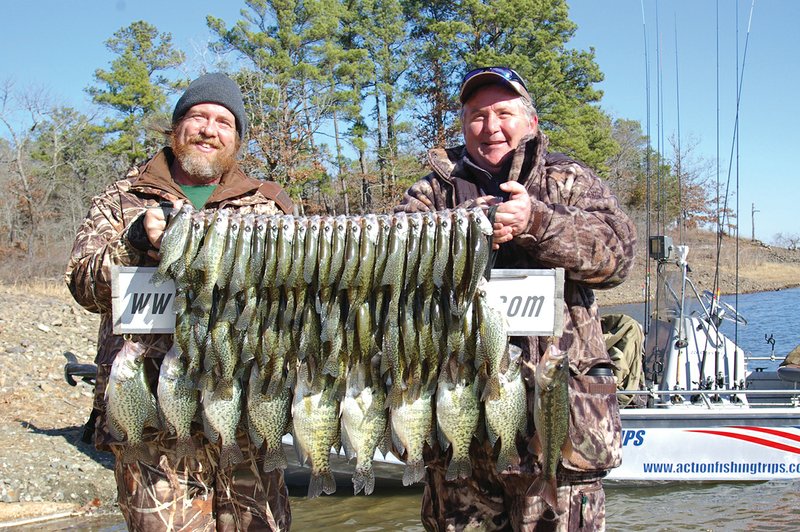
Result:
[{"x": 364, "y": 332}]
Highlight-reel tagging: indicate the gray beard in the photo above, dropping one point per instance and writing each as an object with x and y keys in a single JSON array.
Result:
[{"x": 197, "y": 166}]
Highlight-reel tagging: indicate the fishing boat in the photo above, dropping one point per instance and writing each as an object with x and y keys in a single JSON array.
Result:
[{"x": 710, "y": 412}]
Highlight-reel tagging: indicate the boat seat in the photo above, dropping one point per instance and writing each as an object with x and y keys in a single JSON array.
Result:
[{"x": 789, "y": 373}]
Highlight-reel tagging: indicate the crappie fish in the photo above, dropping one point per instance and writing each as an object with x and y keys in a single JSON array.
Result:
[
  {"x": 130, "y": 405},
  {"x": 493, "y": 351},
  {"x": 173, "y": 243},
  {"x": 363, "y": 425},
  {"x": 220, "y": 420},
  {"x": 315, "y": 420},
  {"x": 241, "y": 258},
  {"x": 551, "y": 417},
  {"x": 177, "y": 401},
  {"x": 479, "y": 231},
  {"x": 442, "y": 252},
  {"x": 459, "y": 252},
  {"x": 209, "y": 260},
  {"x": 284, "y": 249},
  {"x": 457, "y": 415},
  {"x": 506, "y": 417},
  {"x": 268, "y": 419},
  {"x": 411, "y": 428}
]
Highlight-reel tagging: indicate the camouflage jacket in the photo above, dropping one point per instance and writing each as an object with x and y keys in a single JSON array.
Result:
[{"x": 576, "y": 224}]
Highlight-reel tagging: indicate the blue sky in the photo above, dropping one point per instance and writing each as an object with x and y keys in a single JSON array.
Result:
[{"x": 55, "y": 46}]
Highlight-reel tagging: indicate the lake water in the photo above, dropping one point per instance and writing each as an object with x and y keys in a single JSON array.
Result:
[{"x": 773, "y": 506}]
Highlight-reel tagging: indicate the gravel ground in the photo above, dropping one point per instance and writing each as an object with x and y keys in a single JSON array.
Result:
[{"x": 42, "y": 457}]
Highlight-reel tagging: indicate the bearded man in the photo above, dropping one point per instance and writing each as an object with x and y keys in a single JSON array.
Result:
[{"x": 124, "y": 227}]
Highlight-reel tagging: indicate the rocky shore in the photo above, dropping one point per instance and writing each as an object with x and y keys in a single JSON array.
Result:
[{"x": 47, "y": 472}]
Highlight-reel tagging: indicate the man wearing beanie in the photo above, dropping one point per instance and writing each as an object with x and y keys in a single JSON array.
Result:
[{"x": 161, "y": 490}]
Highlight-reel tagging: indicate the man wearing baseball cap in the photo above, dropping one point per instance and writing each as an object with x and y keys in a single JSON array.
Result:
[
  {"x": 163, "y": 488},
  {"x": 551, "y": 212}
]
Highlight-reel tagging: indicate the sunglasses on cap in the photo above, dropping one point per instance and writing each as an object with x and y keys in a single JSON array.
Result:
[{"x": 504, "y": 72}]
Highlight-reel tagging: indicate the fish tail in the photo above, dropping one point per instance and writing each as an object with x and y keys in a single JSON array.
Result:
[
  {"x": 413, "y": 472},
  {"x": 506, "y": 458},
  {"x": 224, "y": 390},
  {"x": 134, "y": 452},
  {"x": 230, "y": 455},
  {"x": 331, "y": 366},
  {"x": 274, "y": 459},
  {"x": 320, "y": 483},
  {"x": 363, "y": 479},
  {"x": 159, "y": 277},
  {"x": 492, "y": 390},
  {"x": 184, "y": 448},
  {"x": 546, "y": 488},
  {"x": 458, "y": 468}
]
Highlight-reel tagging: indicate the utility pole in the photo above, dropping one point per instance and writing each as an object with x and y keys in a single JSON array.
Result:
[{"x": 753, "y": 212}]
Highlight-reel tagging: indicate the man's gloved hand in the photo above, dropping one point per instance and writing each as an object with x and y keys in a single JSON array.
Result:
[{"x": 146, "y": 232}]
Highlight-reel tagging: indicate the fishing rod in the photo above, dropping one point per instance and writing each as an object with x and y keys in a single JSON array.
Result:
[{"x": 647, "y": 174}]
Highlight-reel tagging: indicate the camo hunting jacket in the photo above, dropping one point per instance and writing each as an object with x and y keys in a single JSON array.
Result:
[
  {"x": 576, "y": 224},
  {"x": 101, "y": 242}
]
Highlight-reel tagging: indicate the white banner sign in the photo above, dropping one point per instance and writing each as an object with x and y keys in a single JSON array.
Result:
[
  {"x": 531, "y": 300},
  {"x": 137, "y": 306}
]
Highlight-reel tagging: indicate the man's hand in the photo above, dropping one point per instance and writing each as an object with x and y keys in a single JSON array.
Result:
[
  {"x": 512, "y": 216},
  {"x": 155, "y": 223}
]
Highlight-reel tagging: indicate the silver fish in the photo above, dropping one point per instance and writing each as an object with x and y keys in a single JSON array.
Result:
[
  {"x": 173, "y": 243},
  {"x": 457, "y": 415},
  {"x": 130, "y": 405},
  {"x": 241, "y": 258},
  {"x": 209, "y": 260},
  {"x": 220, "y": 420},
  {"x": 178, "y": 400},
  {"x": 411, "y": 428},
  {"x": 315, "y": 420},
  {"x": 268, "y": 419},
  {"x": 506, "y": 417},
  {"x": 363, "y": 424}
]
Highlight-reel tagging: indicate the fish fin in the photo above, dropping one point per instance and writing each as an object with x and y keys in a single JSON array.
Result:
[
  {"x": 210, "y": 431},
  {"x": 116, "y": 430},
  {"x": 274, "y": 459},
  {"x": 230, "y": 455},
  {"x": 363, "y": 479},
  {"x": 328, "y": 483},
  {"x": 243, "y": 321},
  {"x": 255, "y": 438},
  {"x": 491, "y": 392},
  {"x": 414, "y": 472},
  {"x": 395, "y": 397},
  {"x": 567, "y": 450},
  {"x": 159, "y": 277},
  {"x": 458, "y": 468},
  {"x": 153, "y": 418}
]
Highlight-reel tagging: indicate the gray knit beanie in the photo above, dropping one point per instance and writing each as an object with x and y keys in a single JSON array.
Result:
[{"x": 214, "y": 88}]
